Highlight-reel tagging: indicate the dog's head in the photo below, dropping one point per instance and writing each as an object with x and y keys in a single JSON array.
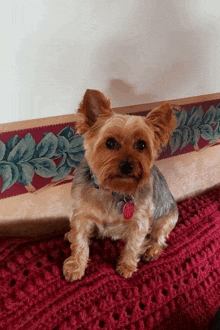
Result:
[{"x": 121, "y": 149}]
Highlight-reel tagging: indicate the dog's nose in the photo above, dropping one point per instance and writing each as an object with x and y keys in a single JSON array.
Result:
[{"x": 126, "y": 167}]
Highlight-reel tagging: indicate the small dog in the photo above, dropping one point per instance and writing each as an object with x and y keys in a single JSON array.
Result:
[{"x": 117, "y": 191}]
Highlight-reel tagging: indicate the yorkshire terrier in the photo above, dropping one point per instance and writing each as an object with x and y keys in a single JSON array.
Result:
[{"x": 117, "y": 191}]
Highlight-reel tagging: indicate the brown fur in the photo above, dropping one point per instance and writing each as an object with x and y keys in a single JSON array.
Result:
[{"x": 96, "y": 209}]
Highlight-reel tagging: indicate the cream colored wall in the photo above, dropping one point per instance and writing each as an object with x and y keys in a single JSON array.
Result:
[
  {"x": 48, "y": 210},
  {"x": 192, "y": 173},
  {"x": 134, "y": 51}
]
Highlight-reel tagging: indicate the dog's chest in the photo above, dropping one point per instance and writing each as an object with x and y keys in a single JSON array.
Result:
[
  {"x": 113, "y": 226},
  {"x": 111, "y": 220}
]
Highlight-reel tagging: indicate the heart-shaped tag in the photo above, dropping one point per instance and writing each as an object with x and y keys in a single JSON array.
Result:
[{"x": 128, "y": 210}]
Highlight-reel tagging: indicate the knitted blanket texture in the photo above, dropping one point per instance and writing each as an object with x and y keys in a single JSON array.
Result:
[{"x": 180, "y": 290}]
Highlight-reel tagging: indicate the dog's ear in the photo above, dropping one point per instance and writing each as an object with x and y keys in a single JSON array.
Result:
[
  {"x": 93, "y": 105},
  {"x": 163, "y": 121}
]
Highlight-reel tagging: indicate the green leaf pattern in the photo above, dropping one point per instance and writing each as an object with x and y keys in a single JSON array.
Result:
[
  {"x": 20, "y": 159},
  {"x": 10, "y": 174},
  {"x": 194, "y": 124}
]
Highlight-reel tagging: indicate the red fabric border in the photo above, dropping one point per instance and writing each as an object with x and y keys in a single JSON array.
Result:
[{"x": 37, "y": 133}]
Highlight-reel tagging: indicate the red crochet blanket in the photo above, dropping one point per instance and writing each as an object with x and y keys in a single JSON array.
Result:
[{"x": 181, "y": 290}]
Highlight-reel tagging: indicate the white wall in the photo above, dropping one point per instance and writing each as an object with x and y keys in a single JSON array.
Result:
[{"x": 135, "y": 51}]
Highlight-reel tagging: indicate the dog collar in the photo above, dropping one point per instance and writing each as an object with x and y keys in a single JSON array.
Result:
[{"x": 125, "y": 203}]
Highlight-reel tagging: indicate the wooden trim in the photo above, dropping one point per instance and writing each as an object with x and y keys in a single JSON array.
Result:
[
  {"x": 41, "y": 122},
  {"x": 182, "y": 101},
  {"x": 26, "y": 124}
]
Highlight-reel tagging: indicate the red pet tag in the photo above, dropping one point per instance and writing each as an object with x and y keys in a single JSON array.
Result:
[
  {"x": 128, "y": 210},
  {"x": 126, "y": 206}
]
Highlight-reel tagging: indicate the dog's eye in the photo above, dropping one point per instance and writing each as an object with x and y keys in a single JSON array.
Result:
[
  {"x": 111, "y": 143},
  {"x": 141, "y": 145}
]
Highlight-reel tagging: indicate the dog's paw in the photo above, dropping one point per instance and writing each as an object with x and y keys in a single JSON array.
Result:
[
  {"x": 152, "y": 252},
  {"x": 72, "y": 270},
  {"x": 66, "y": 236},
  {"x": 125, "y": 269}
]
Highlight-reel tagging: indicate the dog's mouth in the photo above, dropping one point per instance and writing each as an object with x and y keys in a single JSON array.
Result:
[
  {"x": 122, "y": 183},
  {"x": 125, "y": 177}
]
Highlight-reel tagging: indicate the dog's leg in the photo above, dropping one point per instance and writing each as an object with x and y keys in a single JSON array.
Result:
[
  {"x": 130, "y": 255},
  {"x": 160, "y": 230},
  {"x": 74, "y": 266}
]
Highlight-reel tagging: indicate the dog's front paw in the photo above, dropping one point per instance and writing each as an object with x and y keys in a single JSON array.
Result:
[
  {"x": 152, "y": 252},
  {"x": 72, "y": 270},
  {"x": 126, "y": 270}
]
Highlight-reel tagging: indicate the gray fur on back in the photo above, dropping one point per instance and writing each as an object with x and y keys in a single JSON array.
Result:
[{"x": 162, "y": 198}]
